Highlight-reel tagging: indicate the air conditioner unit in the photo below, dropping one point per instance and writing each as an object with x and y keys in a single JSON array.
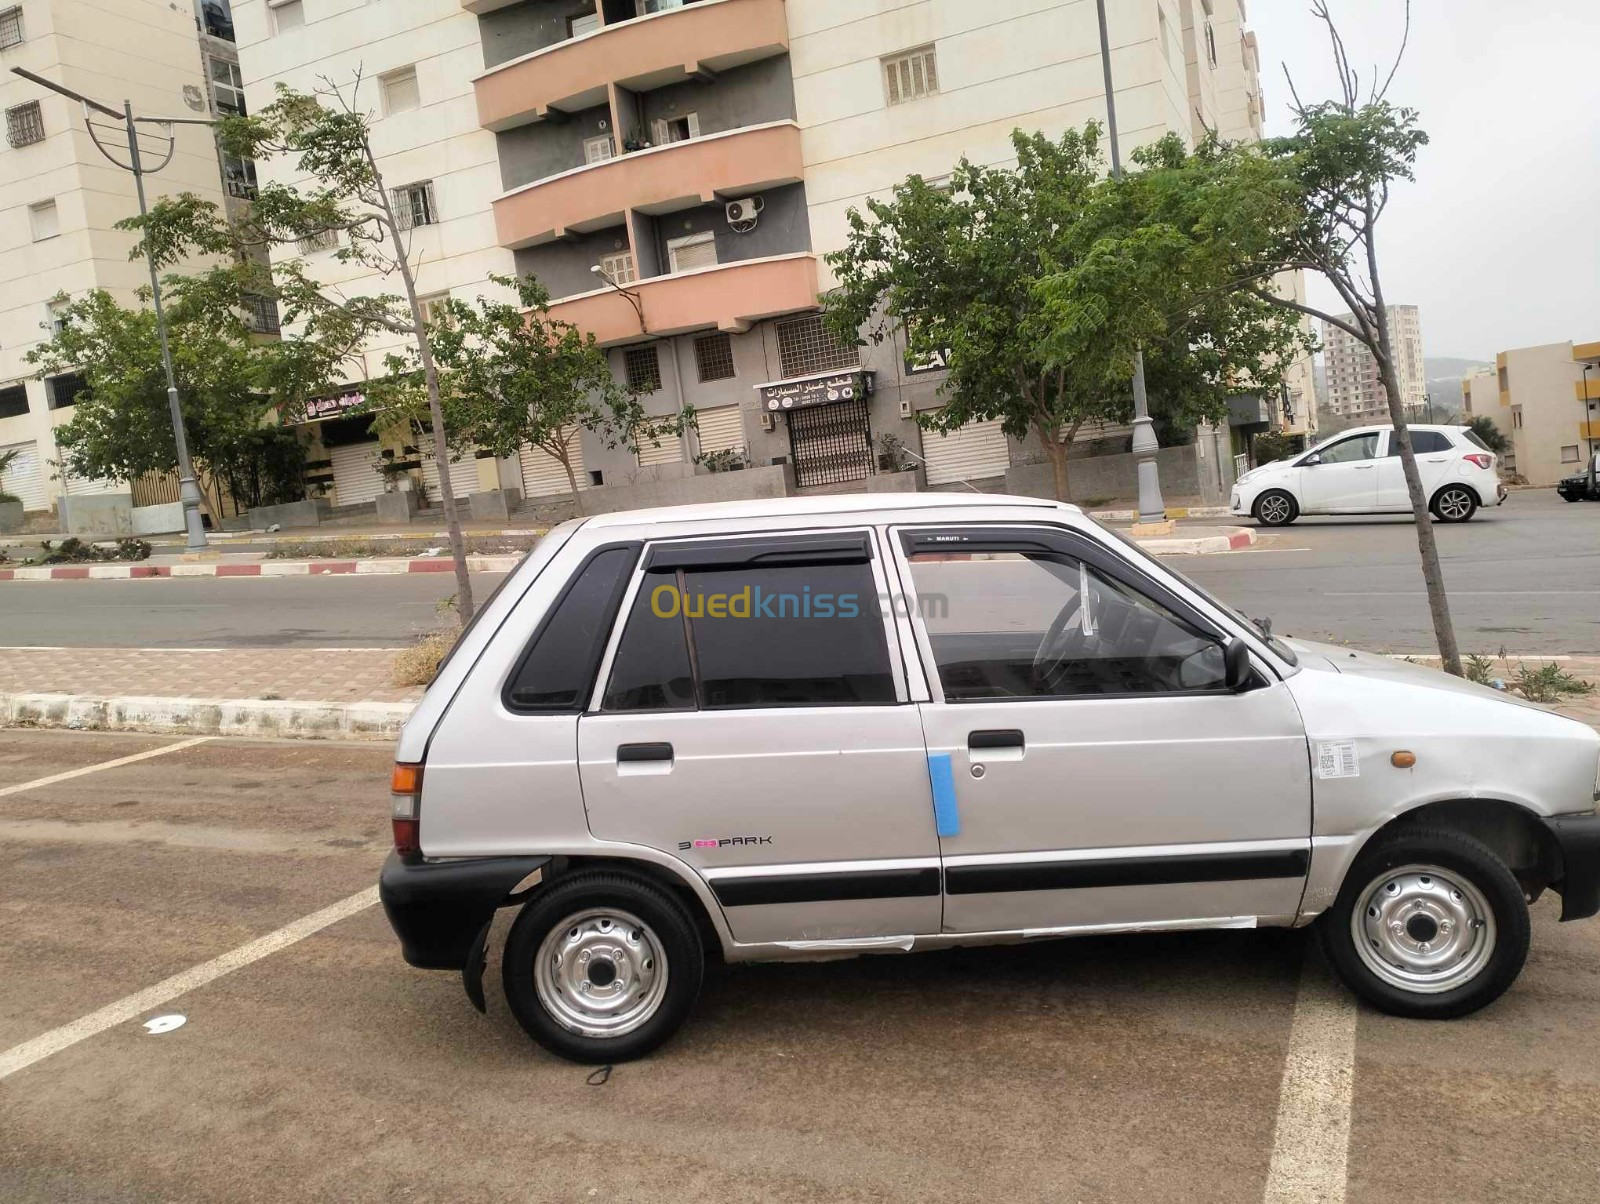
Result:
[{"x": 745, "y": 209}]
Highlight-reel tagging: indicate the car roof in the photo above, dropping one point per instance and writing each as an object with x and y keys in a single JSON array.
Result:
[
  {"x": 1410, "y": 426},
  {"x": 827, "y": 505}
]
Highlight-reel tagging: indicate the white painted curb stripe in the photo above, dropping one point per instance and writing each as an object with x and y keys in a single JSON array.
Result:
[
  {"x": 78, "y": 773},
  {"x": 1311, "y": 1144},
  {"x": 19, "y": 1057},
  {"x": 209, "y": 716}
]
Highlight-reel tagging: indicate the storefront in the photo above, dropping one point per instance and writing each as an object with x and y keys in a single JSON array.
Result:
[{"x": 830, "y": 433}]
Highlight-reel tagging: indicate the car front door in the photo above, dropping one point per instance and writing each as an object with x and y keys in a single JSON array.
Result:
[
  {"x": 1343, "y": 476},
  {"x": 1436, "y": 457},
  {"x": 753, "y": 721},
  {"x": 1091, "y": 768}
]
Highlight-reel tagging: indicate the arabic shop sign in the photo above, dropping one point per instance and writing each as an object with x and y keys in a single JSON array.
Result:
[
  {"x": 934, "y": 361},
  {"x": 816, "y": 390},
  {"x": 331, "y": 407}
]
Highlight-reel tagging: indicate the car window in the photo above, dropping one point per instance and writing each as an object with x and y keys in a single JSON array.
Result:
[
  {"x": 797, "y": 635},
  {"x": 651, "y": 670},
  {"x": 1422, "y": 442},
  {"x": 557, "y": 672},
  {"x": 1035, "y": 625},
  {"x": 1349, "y": 451},
  {"x": 1474, "y": 439}
]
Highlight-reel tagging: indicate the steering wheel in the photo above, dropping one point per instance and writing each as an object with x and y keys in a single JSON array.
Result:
[{"x": 1063, "y": 640}]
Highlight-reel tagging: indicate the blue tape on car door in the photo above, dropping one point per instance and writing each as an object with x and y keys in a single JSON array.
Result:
[{"x": 946, "y": 815}]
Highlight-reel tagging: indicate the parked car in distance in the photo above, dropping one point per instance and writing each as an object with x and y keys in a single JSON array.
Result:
[
  {"x": 830, "y": 726},
  {"x": 1359, "y": 472},
  {"x": 1582, "y": 486}
]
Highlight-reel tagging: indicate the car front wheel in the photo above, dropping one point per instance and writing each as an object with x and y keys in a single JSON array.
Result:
[
  {"x": 1454, "y": 504},
  {"x": 1275, "y": 508},
  {"x": 1430, "y": 924},
  {"x": 602, "y": 967}
]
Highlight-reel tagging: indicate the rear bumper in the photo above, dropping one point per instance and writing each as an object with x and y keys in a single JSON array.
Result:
[
  {"x": 1579, "y": 884},
  {"x": 437, "y": 908},
  {"x": 1500, "y": 494}
]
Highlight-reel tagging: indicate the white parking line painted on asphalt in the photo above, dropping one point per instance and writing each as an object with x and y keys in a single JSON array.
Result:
[
  {"x": 18, "y": 1057},
  {"x": 78, "y": 773},
  {"x": 1311, "y": 1144}
]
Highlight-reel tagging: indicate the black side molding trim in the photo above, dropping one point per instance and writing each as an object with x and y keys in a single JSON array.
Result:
[
  {"x": 913, "y": 883},
  {"x": 1579, "y": 884},
  {"x": 1123, "y": 871}
]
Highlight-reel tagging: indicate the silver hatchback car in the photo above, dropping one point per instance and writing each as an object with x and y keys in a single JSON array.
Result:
[{"x": 843, "y": 725}]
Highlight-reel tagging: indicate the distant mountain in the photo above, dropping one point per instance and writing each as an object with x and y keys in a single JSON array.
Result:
[{"x": 1444, "y": 367}]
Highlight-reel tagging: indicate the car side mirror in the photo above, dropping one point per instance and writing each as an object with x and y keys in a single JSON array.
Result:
[
  {"x": 1312, "y": 460},
  {"x": 1236, "y": 658}
]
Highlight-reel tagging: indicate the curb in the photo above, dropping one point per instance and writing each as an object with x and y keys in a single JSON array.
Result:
[
  {"x": 262, "y": 568},
  {"x": 1205, "y": 546},
  {"x": 1132, "y": 516},
  {"x": 208, "y": 716}
]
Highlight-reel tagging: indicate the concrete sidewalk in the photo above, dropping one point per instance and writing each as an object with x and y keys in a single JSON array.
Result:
[{"x": 251, "y": 565}]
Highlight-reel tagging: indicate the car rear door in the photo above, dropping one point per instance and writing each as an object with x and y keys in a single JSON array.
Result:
[
  {"x": 1345, "y": 478},
  {"x": 753, "y": 720},
  {"x": 1090, "y": 766},
  {"x": 1437, "y": 458}
]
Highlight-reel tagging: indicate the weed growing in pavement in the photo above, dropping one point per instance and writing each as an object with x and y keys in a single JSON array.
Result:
[
  {"x": 1480, "y": 669},
  {"x": 1549, "y": 683},
  {"x": 73, "y": 550},
  {"x": 419, "y": 664},
  {"x": 358, "y": 548}
]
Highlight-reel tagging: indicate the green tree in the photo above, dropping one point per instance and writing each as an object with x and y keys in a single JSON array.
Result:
[
  {"x": 327, "y": 138},
  {"x": 511, "y": 374},
  {"x": 1483, "y": 426}
]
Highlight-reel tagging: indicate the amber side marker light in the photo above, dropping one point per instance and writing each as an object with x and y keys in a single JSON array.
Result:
[
  {"x": 1403, "y": 759},
  {"x": 405, "y": 787}
]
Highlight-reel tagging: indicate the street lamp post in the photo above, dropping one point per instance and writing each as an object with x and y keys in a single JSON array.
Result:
[
  {"x": 632, "y": 297},
  {"x": 188, "y": 486},
  {"x": 1145, "y": 444}
]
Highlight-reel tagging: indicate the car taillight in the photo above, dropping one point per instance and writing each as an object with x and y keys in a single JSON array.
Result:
[
  {"x": 1480, "y": 459},
  {"x": 405, "y": 788}
]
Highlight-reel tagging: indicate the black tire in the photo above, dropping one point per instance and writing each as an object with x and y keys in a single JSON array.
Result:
[
  {"x": 1281, "y": 513},
  {"x": 672, "y": 933},
  {"x": 1454, "y": 504},
  {"x": 1571, "y": 497},
  {"x": 1410, "y": 853}
]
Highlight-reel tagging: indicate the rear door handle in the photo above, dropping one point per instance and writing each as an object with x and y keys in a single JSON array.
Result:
[
  {"x": 634, "y": 753},
  {"x": 996, "y": 738},
  {"x": 1363, "y": 467}
]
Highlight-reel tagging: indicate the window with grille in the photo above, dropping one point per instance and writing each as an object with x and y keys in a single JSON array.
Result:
[
  {"x": 261, "y": 314},
  {"x": 65, "y": 390},
  {"x": 323, "y": 240},
  {"x": 24, "y": 124},
  {"x": 13, "y": 401},
  {"x": 10, "y": 26},
  {"x": 911, "y": 75},
  {"x": 805, "y": 346},
  {"x": 619, "y": 267},
  {"x": 414, "y": 205},
  {"x": 713, "y": 357},
  {"x": 643, "y": 367}
]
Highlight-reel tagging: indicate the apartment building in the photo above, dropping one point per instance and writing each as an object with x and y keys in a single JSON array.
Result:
[
  {"x": 1546, "y": 401},
  {"x": 60, "y": 198},
  {"x": 673, "y": 172},
  {"x": 1354, "y": 390}
]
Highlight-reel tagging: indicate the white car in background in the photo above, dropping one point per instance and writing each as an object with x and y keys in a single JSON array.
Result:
[{"x": 1358, "y": 472}]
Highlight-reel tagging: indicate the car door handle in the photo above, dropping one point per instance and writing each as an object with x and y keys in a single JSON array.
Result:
[
  {"x": 996, "y": 738},
  {"x": 1363, "y": 467},
  {"x": 632, "y": 754}
]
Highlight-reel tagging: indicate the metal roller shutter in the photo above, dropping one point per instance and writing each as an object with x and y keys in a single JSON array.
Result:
[
  {"x": 354, "y": 478},
  {"x": 971, "y": 453},
  {"x": 463, "y": 477},
  {"x": 25, "y": 477},
  {"x": 668, "y": 450},
  {"x": 87, "y": 486},
  {"x": 721, "y": 429},
  {"x": 543, "y": 475}
]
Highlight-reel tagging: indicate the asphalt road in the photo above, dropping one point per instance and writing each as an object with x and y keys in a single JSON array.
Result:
[
  {"x": 1525, "y": 577},
  {"x": 1148, "y": 1068}
]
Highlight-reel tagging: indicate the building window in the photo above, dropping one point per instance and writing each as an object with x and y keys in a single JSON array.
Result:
[
  {"x": 805, "y": 346},
  {"x": 58, "y": 317},
  {"x": 618, "y": 266},
  {"x": 1211, "y": 44},
  {"x": 675, "y": 129},
  {"x": 713, "y": 357},
  {"x": 1516, "y": 420},
  {"x": 286, "y": 15},
  {"x": 578, "y": 26},
  {"x": 692, "y": 251},
  {"x": 64, "y": 390},
  {"x": 400, "y": 93},
  {"x": 11, "y": 26},
  {"x": 24, "y": 124},
  {"x": 260, "y": 314},
  {"x": 643, "y": 368},
  {"x": 323, "y": 240},
  {"x": 13, "y": 401},
  {"x": 1569, "y": 454},
  {"x": 414, "y": 205},
  {"x": 598, "y": 150},
  {"x": 227, "y": 87},
  {"x": 911, "y": 75},
  {"x": 43, "y": 220},
  {"x": 436, "y": 307},
  {"x": 645, "y": 7}
]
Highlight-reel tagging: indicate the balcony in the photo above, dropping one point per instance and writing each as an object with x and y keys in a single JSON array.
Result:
[
  {"x": 731, "y": 297},
  {"x": 697, "y": 40},
  {"x": 655, "y": 181}
]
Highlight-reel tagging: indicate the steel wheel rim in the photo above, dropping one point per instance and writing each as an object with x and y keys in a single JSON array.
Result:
[
  {"x": 1423, "y": 929},
  {"x": 1275, "y": 509},
  {"x": 601, "y": 972},
  {"x": 1455, "y": 504}
]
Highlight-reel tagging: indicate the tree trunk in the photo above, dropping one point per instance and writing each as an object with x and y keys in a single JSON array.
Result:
[
  {"x": 1056, "y": 449},
  {"x": 565, "y": 456}
]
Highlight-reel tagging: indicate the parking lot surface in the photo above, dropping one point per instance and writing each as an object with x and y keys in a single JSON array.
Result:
[{"x": 1130, "y": 1068}]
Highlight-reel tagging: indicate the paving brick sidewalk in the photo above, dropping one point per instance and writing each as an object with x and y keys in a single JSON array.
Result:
[{"x": 292, "y": 674}]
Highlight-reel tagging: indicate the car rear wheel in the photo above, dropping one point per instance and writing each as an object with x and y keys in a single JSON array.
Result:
[
  {"x": 1429, "y": 924},
  {"x": 1275, "y": 508},
  {"x": 602, "y": 967},
  {"x": 1454, "y": 504}
]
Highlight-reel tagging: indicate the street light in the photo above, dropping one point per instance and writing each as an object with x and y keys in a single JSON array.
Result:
[
  {"x": 1145, "y": 444},
  {"x": 633, "y": 297},
  {"x": 188, "y": 487}
]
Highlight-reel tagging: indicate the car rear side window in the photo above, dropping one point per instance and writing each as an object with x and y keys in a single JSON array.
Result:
[
  {"x": 1423, "y": 443},
  {"x": 651, "y": 669},
  {"x": 1476, "y": 440},
  {"x": 557, "y": 672}
]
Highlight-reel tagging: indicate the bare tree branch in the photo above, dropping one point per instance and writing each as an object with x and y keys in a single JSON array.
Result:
[{"x": 1405, "y": 37}]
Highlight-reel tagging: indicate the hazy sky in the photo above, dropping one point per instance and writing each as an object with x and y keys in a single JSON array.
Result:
[{"x": 1498, "y": 241}]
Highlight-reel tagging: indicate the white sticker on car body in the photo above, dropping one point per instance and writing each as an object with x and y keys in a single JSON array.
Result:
[{"x": 1338, "y": 759}]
